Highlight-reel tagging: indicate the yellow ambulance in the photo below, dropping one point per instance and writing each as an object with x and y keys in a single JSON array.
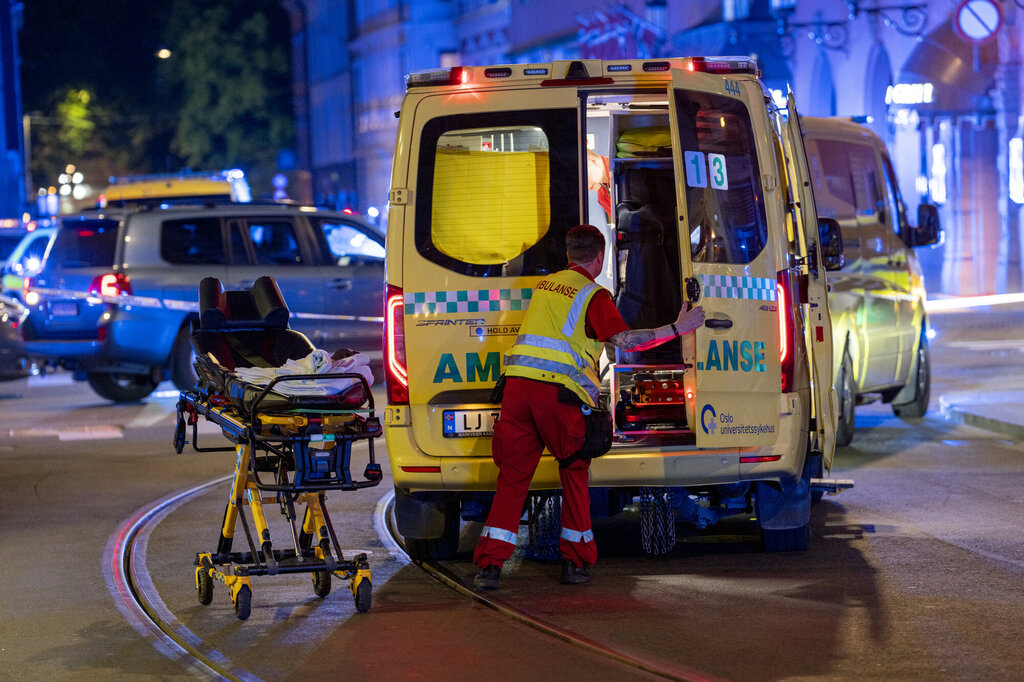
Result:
[
  {"x": 186, "y": 186},
  {"x": 700, "y": 184},
  {"x": 877, "y": 298}
]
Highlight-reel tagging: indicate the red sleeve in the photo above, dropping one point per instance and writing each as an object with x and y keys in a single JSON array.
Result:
[{"x": 603, "y": 318}]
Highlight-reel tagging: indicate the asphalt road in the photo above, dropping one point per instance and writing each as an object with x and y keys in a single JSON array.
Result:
[{"x": 914, "y": 574}]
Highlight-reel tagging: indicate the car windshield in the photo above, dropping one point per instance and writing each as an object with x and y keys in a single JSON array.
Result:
[{"x": 85, "y": 243}]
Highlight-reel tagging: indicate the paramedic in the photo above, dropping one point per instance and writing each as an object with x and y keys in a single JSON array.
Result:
[{"x": 569, "y": 319}]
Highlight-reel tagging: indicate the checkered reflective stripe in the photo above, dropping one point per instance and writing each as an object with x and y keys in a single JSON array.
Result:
[
  {"x": 472, "y": 301},
  {"x": 731, "y": 286}
]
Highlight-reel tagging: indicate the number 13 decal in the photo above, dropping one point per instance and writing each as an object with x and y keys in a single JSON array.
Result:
[{"x": 716, "y": 175}]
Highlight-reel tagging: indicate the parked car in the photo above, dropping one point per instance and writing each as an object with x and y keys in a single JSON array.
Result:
[
  {"x": 13, "y": 363},
  {"x": 26, "y": 260},
  {"x": 114, "y": 300},
  {"x": 183, "y": 187}
]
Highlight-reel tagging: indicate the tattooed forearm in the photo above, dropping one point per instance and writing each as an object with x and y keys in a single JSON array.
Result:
[{"x": 634, "y": 339}]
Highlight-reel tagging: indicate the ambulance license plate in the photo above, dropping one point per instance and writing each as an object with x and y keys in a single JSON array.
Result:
[{"x": 466, "y": 423}]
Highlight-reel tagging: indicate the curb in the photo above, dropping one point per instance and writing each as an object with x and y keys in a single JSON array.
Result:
[{"x": 957, "y": 414}]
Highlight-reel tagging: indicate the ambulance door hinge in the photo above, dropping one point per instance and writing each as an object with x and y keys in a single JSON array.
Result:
[{"x": 399, "y": 196}]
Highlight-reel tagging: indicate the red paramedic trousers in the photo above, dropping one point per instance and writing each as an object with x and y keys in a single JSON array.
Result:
[{"x": 531, "y": 419}]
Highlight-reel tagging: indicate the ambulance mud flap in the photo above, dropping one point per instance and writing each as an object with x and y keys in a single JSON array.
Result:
[
  {"x": 422, "y": 516},
  {"x": 783, "y": 505}
]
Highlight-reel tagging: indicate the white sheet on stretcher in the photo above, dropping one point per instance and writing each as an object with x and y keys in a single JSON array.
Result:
[{"x": 317, "y": 362}]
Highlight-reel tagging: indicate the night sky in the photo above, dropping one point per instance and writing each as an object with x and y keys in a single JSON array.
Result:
[{"x": 107, "y": 46}]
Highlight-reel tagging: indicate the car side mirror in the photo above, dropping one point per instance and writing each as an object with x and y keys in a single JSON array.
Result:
[
  {"x": 830, "y": 241},
  {"x": 927, "y": 231}
]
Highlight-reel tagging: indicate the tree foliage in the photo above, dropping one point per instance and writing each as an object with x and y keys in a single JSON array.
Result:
[
  {"x": 97, "y": 95},
  {"x": 232, "y": 68}
]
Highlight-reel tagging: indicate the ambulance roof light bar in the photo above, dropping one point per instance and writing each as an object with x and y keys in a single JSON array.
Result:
[
  {"x": 721, "y": 65},
  {"x": 452, "y": 75}
]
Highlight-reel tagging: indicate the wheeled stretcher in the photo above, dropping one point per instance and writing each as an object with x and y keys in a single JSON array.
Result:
[{"x": 292, "y": 445}]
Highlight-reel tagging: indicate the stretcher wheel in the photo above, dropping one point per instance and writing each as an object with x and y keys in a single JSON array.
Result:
[
  {"x": 204, "y": 584},
  {"x": 321, "y": 583},
  {"x": 179, "y": 434},
  {"x": 243, "y": 603},
  {"x": 363, "y": 596}
]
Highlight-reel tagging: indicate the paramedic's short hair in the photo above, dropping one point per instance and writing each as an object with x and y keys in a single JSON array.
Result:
[{"x": 584, "y": 243}]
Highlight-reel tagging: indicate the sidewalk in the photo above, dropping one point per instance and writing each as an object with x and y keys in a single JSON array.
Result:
[
  {"x": 999, "y": 411},
  {"x": 981, "y": 351}
]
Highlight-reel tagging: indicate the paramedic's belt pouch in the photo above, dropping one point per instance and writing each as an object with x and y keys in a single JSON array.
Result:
[
  {"x": 598, "y": 438},
  {"x": 498, "y": 392}
]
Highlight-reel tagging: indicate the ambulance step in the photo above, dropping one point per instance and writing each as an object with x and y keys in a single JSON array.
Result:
[{"x": 832, "y": 486}]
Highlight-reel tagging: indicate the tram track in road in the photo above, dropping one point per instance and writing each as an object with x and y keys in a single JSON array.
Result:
[
  {"x": 135, "y": 596},
  {"x": 388, "y": 533}
]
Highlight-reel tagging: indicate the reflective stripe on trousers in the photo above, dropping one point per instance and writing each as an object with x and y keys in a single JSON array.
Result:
[
  {"x": 577, "y": 535},
  {"x": 501, "y": 534}
]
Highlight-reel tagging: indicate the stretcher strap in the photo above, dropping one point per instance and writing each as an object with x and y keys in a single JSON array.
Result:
[{"x": 243, "y": 351}]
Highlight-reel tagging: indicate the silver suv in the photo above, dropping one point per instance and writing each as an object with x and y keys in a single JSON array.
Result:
[{"x": 117, "y": 293}]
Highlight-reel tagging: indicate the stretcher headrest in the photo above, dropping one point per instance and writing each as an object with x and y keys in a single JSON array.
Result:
[{"x": 261, "y": 307}]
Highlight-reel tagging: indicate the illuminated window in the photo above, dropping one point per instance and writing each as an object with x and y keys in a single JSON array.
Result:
[
  {"x": 491, "y": 199},
  {"x": 485, "y": 199}
]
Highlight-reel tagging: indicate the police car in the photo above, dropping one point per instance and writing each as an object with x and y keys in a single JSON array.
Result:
[{"x": 700, "y": 184}]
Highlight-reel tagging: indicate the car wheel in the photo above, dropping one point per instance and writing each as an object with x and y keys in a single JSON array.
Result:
[
  {"x": 922, "y": 379},
  {"x": 847, "y": 391},
  {"x": 121, "y": 388},
  {"x": 183, "y": 374}
]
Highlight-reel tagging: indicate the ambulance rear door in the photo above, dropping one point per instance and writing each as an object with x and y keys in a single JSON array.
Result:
[
  {"x": 494, "y": 181},
  {"x": 817, "y": 321},
  {"x": 730, "y": 267}
]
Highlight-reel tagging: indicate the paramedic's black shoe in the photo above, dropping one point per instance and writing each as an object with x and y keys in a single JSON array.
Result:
[
  {"x": 487, "y": 578},
  {"x": 573, "y": 574}
]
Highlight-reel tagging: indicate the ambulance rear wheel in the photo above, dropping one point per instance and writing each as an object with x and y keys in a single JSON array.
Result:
[
  {"x": 321, "y": 583},
  {"x": 847, "y": 390},
  {"x": 364, "y": 596},
  {"x": 442, "y": 548},
  {"x": 420, "y": 513},
  {"x": 243, "y": 603}
]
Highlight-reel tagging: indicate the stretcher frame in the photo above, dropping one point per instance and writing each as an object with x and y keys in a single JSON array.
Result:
[{"x": 281, "y": 439}]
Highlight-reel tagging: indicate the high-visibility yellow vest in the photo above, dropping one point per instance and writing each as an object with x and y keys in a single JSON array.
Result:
[{"x": 552, "y": 345}]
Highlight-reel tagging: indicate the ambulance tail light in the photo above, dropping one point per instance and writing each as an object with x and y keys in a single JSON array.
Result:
[
  {"x": 396, "y": 376},
  {"x": 784, "y": 290},
  {"x": 111, "y": 284}
]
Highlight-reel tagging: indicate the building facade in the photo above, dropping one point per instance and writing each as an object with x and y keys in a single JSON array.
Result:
[{"x": 939, "y": 81}]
